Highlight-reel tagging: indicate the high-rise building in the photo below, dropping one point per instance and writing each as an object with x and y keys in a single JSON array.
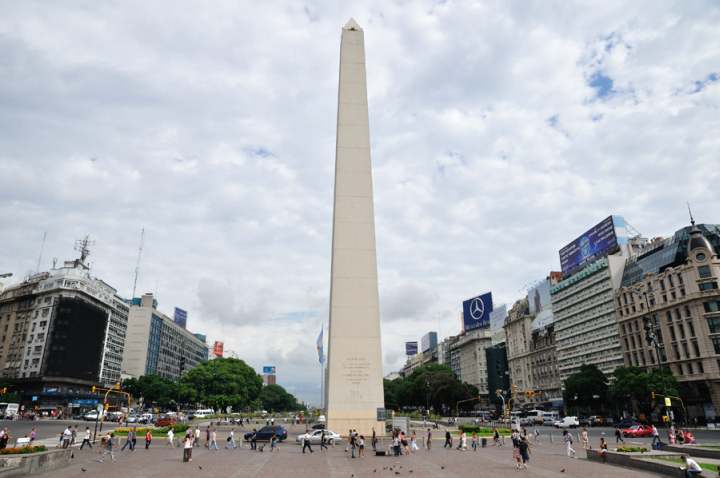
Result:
[
  {"x": 668, "y": 311},
  {"x": 585, "y": 324},
  {"x": 468, "y": 358},
  {"x": 157, "y": 345},
  {"x": 63, "y": 331},
  {"x": 498, "y": 373}
]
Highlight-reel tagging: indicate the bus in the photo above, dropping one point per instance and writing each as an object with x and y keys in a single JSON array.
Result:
[{"x": 8, "y": 411}]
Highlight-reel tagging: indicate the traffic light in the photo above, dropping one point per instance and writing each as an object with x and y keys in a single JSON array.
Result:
[{"x": 93, "y": 388}]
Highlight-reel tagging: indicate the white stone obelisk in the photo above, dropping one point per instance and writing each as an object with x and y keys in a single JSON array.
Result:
[{"x": 354, "y": 377}]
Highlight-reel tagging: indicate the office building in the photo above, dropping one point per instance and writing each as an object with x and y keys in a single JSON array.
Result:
[
  {"x": 468, "y": 359},
  {"x": 63, "y": 331},
  {"x": 671, "y": 292},
  {"x": 157, "y": 345},
  {"x": 498, "y": 373}
]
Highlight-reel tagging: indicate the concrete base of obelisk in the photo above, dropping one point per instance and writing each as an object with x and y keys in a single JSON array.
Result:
[{"x": 364, "y": 426}]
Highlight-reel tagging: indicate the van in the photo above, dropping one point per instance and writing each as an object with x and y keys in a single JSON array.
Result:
[
  {"x": 8, "y": 411},
  {"x": 549, "y": 418},
  {"x": 203, "y": 413}
]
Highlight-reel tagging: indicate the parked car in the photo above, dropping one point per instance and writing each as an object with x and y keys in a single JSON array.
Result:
[
  {"x": 584, "y": 422},
  {"x": 265, "y": 433},
  {"x": 597, "y": 421},
  {"x": 91, "y": 416},
  {"x": 165, "y": 421},
  {"x": 316, "y": 435},
  {"x": 638, "y": 431},
  {"x": 567, "y": 422}
]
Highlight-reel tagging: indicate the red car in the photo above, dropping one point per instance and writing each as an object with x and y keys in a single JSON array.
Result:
[{"x": 638, "y": 431}]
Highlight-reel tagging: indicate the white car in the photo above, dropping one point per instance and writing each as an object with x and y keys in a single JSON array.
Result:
[
  {"x": 567, "y": 422},
  {"x": 316, "y": 435}
]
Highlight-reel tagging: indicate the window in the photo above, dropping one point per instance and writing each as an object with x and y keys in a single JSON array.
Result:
[
  {"x": 682, "y": 330},
  {"x": 690, "y": 368},
  {"x": 687, "y": 311},
  {"x": 671, "y": 281},
  {"x": 696, "y": 349},
  {"x": 690, "y": 325},
  {"x": 685, "y": 349},
  {"x": 716, "y": 345},
  {"x": 713, "y": 306},
  {"x": 700, "y": 256},
  {"x": 704, "y": 272},
  {"x": 714, "y": 324},
  {"x": 662, "y": 284},
  {"x": 708, "y": 285},
  {"x": 700, "y": 367},
  {"x": 680, "y": 279}
]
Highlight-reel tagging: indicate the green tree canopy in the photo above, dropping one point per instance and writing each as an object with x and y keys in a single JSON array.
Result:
[
  {"x": 275, "y": 398},
  {"x": 222, "y": 382},
  {"x": 153, "y": 389},
  {"x": 588, "y": 387},
  {"x": 635, "y": 385}
]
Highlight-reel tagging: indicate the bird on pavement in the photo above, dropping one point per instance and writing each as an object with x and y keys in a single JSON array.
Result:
[{"x": 83, "y": 470}]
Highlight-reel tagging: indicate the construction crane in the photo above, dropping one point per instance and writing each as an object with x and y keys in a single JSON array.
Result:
[{"x": 137, "y": 264}]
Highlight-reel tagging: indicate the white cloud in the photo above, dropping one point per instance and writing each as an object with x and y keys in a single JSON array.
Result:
[{"x": 213, "y": 128}]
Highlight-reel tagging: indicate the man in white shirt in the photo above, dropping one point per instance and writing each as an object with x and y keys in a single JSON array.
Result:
[{"x": 692, "y": 469}]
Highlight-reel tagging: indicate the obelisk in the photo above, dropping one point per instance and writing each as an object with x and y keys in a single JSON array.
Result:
[{"x": 354, "y": 376}]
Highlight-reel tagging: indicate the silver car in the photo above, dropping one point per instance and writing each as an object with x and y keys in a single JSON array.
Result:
[{"x": 316, "y": 435}]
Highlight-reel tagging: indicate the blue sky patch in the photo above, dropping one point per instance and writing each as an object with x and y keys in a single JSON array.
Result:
[
  {"x": 700, "y": 85},
  {"x": 603, "y": 84}
]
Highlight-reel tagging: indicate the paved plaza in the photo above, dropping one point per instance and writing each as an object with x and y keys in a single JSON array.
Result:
[{"x": 161, "y": 461}]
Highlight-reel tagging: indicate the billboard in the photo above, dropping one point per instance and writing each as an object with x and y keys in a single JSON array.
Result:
[
  {"x": 411, "y": 348},
  {"x": 269, "y": 369},
  {"x": 595, "y": 243},
  {"x": 428, "y": 341},
  {"x": 218, "y": 349},
  {"x": 540, "y": 304},
  {"x": 181, "y": 317},
  {"x": 476, "y": 312}
]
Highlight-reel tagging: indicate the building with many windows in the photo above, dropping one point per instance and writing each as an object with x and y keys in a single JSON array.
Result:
[
  {"x": 468, "y": 359},
  {"x": 62, "y": 332},
  {"x": 157, "y": 345},
  {"x": 668, "y": 312}
]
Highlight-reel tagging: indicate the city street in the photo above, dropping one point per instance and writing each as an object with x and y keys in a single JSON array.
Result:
[{"x": 47, "y": 429}]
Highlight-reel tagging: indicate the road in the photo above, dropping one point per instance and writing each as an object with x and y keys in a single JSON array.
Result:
[{"x": 47, "y": 428}]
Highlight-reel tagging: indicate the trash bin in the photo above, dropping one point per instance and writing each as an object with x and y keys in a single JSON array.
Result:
[{"x": 484, "y": 442}]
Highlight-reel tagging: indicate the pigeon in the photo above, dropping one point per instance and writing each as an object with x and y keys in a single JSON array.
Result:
[
  {"x": 562, "y": 471},
  {"x": 72, "y": 455},
  {"x": 409, "y": 471},
  {"x": 397, "y": 472},
  {"x": 442, "y": 467},
  {"x": 375, "y": 470},
  {"x": 199, "y": 467},
  {"x": 83, "y": 470}
]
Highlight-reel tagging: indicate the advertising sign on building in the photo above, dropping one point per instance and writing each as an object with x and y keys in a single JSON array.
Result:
[
  {"x": 411, "y": 348},
  {"x": 218, "y": 349},
  {"x": 428, "y": 341},
  {"x": 269, "y": 369},
  {"x": 540, "y": 304},
  {"x": 181, "y": 317},
  {"x": 595, "y": 243},
  {"x": 476, "y": 312}
]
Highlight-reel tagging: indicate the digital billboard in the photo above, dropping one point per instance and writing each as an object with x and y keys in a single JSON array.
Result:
[
  {"x": 428, "y": 341},
  {"x": 218, "y": 349},
  {"x": 476, "y": 312},
  {"x": 595, "y": 243},
  {"x": 411, "y": 348},
  {"x": 269, "y": 369},
  {"x": 540, "y": 304},
  {"x": 181, "y": 317}
]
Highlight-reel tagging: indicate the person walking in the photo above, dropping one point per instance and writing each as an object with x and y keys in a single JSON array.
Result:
[
  {"x": 274, "y": 443},
  {"x": 231, "y": 445},
  {"x": 129, "y": 441},
  {"x": 66, "y": 437},
  {"x": 428, "y": 440},
  {"x": 86, "y": 438},
  {"x": 188, "y": 444},
  {"x": 213, "y": 440},
  {"x": 253, "y": 440},
  {"x": 148, "y": 439},
  {"x": 361, "y": 446},
  {"x": 413, "y": 442},
  {"x": 207, "y": 436},
  {"x": 474, "y": 441},
  {"x": 603, "y": 449},
  {"x": 655, "y": 436},
  {"x": 171, "y": 438},
  {"x": 108, "y": 447},
  {"x": 524, "y": 448},
  {"x": 196, "y": 436},
  {"x": 567, "y": 437},
  {"x": 353, "y": 444},
  {"x": 306, "y": 443},
  {"x": 537, "y": 435},
  {"x": 585, "y": 439},
  {"x": 33, "y": 435},
  {"x": 396, "y": 444},
  {"x": 374, "y": 440},
  {"x": 323, "y": 446},
  {"x": 448, "y": 439},
  {"x": 618, "y": 436},
  {"x": 496, "y": 437},
  {"x": 73, "y": 435}
]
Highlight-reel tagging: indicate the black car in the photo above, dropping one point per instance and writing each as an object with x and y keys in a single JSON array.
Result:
[
  {"x": 584, "y": 422},
  {"x": 265, "y": 433},
  {"x": 318, "y": 426}
]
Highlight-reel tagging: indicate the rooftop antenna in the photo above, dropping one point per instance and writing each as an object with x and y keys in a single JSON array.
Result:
[
  {"x": 83, "y": 247},
  {"x": 137, "y": 264},
  {"x": 692, "y": 219},
  {"x": 42, "y": 248}
]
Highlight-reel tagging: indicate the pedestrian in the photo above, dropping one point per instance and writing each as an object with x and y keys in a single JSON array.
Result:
[
  {"x": 274, "y": 442},
  {"x": 108, "y": 447},
  {"x": 618, "y": 435},
  {"x": 413, "y": 442},
  {"x": 585, "y": 439},
  {"x": 207, "y": 436},
  {"x": 428, "y": 440},
  {"x": 323, "y": 446},
  {"x": 148, "y": 438},
  {"x": 306, "y": 443},
  {"x": 353, "y": 444},
  {"x": 524, "y": 447},
  {"x": 66, "y": 437},
  {"x": 396, "y": 444},
  {"x": 73, "y": 432},
  {"x": 537, "y": 435},
  {"x": 361, "y": 446},
  {"x": 517, "y": 457},
  {"x": 567, "y": 437},
  {"x": 86, "y": 438},
  {"x": 213, "y": 439},
  {"x": 603, "y": 449},
  {"x": 474, "y": 441},
  {"x": 171, "y": 437},
  {"x": 462, "y": 442},
  {"x": 231, "y": 440},
  {"x": 33, "y": 435},
  {"x": 188, "y": 444},
  {"x": 496, "y": 437},
  {"x": 196, "y": 436},
  {"x": 129, "y": 442},
  {"x": 448, "y": 439},
  {"x": 692, "y": 469},
  {"x": 655, "y": 436},
  {"x": 253, "y": 440},
  {"x": 374, "y": 440}
]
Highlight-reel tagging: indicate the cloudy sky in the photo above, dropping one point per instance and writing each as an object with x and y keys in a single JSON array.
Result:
[{"x": 500, "y": 131}]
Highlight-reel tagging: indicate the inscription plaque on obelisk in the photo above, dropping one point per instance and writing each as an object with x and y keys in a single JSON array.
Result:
[{"x": 354, "y": 378}]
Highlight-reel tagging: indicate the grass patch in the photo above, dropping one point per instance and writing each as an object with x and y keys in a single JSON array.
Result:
[
  {"x": 705, "y": 466},
  {"x": 23, "y": 450},
  {"x": 470, "y": 429},
  {"x": 632, "y": 449},
  {"x": 156, "y": 432}
]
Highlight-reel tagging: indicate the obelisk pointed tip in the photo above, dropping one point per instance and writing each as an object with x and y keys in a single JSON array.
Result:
[{"x": 352, "y": 25}]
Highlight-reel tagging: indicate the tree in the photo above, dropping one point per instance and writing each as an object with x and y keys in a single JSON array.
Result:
[
  {"x": 154, "y": 390},
  {"x": 275, "y": 398},
  {"x": 432, "y": 384},
  {"x": 636, "y": 385},
  {"x": 588, "y": 387},
  {"x": 223, "y": 382}
]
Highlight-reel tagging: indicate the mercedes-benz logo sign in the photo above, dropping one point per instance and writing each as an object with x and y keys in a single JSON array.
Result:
[{"x": 477, "y": 308}]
